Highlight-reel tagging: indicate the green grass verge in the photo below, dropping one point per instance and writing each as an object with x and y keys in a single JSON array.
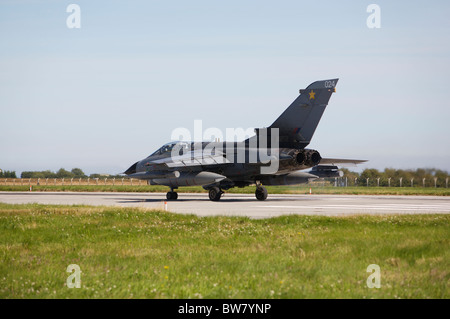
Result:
[
  {"x": 136, "y": 253},
  {"x": 245, "y": 190}
]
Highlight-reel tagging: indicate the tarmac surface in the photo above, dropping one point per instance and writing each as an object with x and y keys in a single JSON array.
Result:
[{"x": 245, "y": 204}]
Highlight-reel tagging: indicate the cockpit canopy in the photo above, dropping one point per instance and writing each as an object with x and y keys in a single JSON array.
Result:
[{"x": 179, "y": 147}]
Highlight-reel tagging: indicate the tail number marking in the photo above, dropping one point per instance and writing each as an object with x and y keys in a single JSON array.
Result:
[{"x": 330, "y": 84}]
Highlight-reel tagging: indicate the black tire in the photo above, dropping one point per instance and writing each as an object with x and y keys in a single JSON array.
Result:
[
  {"x": 214, "y": 194},
  {"x": 261, "y": 193},
  {"x": 172, "y": 195}
]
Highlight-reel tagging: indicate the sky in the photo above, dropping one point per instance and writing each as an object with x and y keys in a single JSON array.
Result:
[{"x": 102, "y": 96}]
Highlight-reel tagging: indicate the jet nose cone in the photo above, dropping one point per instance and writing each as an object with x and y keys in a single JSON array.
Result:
[{"x": 132, "y": 169}]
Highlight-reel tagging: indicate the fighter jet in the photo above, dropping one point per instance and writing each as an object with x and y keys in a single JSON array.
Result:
[{"x": 276, "y": 155}]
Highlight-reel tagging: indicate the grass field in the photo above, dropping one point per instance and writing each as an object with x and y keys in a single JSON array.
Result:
[
  {"x": 136, "y": 253},
  {"x": 246, "y": 190}
]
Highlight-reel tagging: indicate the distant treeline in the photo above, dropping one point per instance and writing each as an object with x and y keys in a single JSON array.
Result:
[
  {"x": 391, "y": 177},
  {"x": 62, "y": 173},
  {"x": 8, "y": 174}
]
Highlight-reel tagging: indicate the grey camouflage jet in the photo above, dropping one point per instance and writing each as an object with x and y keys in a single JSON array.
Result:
[{"x": 276, "y": 155}]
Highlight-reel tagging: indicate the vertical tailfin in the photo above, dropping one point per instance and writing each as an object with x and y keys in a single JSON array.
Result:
[{"x": 299, "y": 121}]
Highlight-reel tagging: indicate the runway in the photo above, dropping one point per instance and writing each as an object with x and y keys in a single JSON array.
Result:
[{"x": 245, "y": 204}]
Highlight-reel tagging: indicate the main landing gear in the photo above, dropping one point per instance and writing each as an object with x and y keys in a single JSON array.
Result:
[
  {"x": 261, "y": 192},
  {"x": 172, "y": 195},
  {"x": 215, "y": 193}
]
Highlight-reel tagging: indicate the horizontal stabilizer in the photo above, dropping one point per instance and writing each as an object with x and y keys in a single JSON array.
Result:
[
  {"x": 323, "y": 171},
  {"x": 340, "y": 161},
  {"x": 293, "y": 178}
]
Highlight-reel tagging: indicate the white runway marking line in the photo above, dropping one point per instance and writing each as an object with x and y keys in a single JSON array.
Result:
[{"x": 387, "y": 207}]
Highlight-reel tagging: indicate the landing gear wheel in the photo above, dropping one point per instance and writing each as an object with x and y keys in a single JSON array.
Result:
[
  {"x": 215, "y": 193},
  {"x": 261, "y": 193},
  {"x": 172, "y": 195}
]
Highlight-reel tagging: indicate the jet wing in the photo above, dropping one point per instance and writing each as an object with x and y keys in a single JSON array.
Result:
[
  {"x": 340, "y": 161},
  {"x": 188, "y": 160},
  {"x": 155, "y": 175}
]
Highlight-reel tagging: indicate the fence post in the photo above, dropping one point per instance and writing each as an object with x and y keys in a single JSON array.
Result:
[
  {"x": 446, "y": 182},
  {"x": 114, "y": 181},
  {"x": 356, "y": 181},
  {"x": 435, "y": 182},
  {"x": 62, "y": 181},
  {"x": 389, "y": 182},
  {"x": 378, "y": 182},
  {"x": 71, "y": 181},
  {"x": 412, "y": 182},
  {"x": 131, "y": 181},
  {"x": 401, "y": 179},
  {"x": 367, "y": 182},
  {"x": 122, "y": 181},
  {"x": 423, "y": 181},
  {"x": 54, "y": 182}
]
